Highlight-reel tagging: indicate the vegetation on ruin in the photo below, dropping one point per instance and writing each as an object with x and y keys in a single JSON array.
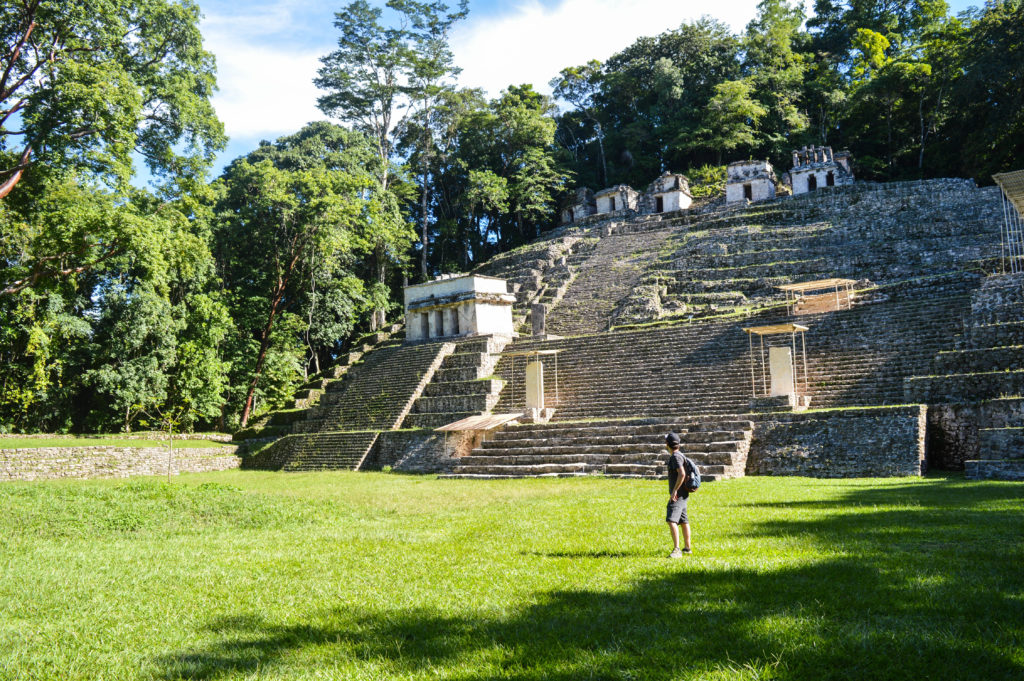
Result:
[{"x": 367, "y": 576}]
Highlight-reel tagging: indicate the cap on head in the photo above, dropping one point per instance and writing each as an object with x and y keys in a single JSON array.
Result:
[{"x": 672, "y": 440}]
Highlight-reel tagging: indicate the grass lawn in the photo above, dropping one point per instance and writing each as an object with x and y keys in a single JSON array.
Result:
[
  {"x": 246, "y": 575},
  {"x": 100, "y": 441}
]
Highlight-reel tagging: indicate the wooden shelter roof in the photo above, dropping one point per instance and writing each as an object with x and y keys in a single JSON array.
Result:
[
  {"x": 1012, "y": 184},
  {"x": 817, "y": 284},
  {"x": 772, "y": 329},
  {"x": 478, "y": 422},
  {"x": 530, "y": 353}
]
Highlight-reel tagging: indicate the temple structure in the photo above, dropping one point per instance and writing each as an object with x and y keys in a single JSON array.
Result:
[
  {"x": 815, "y": 167},
  {"x": 614, "y": 199},
  {"x": 453, "y": 306},
  {"x": 671, "y": 191},
  {"x": 583, "y": 205},
  {"x": 749, "y": 181}
]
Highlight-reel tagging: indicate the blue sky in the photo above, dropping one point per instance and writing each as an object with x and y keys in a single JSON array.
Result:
[{"x": 268, "y": 50}]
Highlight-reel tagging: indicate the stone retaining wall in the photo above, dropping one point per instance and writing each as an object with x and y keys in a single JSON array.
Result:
[
  {"x": 953, "y": 436},
  {"x": 419, "y": 451},
  {"x": 840, "y": 444},
  {"x": 48, "y": 463}
]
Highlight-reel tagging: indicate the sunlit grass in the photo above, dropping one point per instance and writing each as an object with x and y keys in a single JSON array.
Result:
[{"x": 242, "y": 575}]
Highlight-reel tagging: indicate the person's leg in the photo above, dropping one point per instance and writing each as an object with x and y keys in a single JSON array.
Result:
[
  {"x": 673, "y": 529},
  {"x": 686, "y": 536}
]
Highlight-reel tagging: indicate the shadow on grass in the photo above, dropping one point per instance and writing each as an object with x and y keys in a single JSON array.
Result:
[{"x": 933, "y": 591}]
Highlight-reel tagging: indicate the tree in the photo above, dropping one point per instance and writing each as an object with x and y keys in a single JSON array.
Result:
[
  {"x": 292, "y": 217},
  {"x": 580, "y": 85},
  {"x": 84, "y": 85},
  {"x": 776, "y": 73},
  {"x": 731, "y": 116}
]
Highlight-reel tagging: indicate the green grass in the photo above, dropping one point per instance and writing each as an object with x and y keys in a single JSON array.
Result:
[
  {"x": 245, "y": 575},
  {"x": 101, "y": 441}
]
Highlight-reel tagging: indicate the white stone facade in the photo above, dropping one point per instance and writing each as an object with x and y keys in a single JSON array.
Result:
[
  {"x": 749, "y": 181},
  {"x": 583, "y": 206},
  {"x": 460, "y": 305},
  {"x": 817, "y": 167},
  {"x": 614, "y": 199},
  {"x": 669, "y": 192}
]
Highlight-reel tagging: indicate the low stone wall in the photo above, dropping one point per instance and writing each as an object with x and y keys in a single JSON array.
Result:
[
  {"x": 953, "y": 436},
  {"x": 48, "y": 463},
  {"x": 419, "y": 451},
  {"x": 136, "y": 435},
  {"x": 844, "y": 443}
]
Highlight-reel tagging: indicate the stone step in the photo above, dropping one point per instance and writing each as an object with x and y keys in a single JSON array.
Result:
[
  {"x": 448, "y": 388},
  {"x": 980, "y": 360},
  {"x": 435, "y": 420},
  {"x": 994, "y": 469},
  {"x": 1001, "y": 443},
  {"x": 959, "y": 388},
  {"x": 449, "y": 404},
  {"x": 995, "y": 335},
  {"x": 540, "y": 448},
  {"x": 462, "y": 360},
  {"x": 591, "y": 456}
]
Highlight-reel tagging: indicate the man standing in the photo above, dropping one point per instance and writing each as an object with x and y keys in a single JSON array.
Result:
[{"x": 675, "y": 513}]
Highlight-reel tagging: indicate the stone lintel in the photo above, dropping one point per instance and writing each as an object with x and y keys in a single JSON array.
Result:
[{"x": 432, "y": 302}]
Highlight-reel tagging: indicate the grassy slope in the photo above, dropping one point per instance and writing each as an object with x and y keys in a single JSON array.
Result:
[{"x": 244, "y": 575}]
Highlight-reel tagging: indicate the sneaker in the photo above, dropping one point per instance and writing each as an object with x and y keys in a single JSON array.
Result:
[
  {"x": 687, "y": 551},
  {"x": 676, "y": 553}
]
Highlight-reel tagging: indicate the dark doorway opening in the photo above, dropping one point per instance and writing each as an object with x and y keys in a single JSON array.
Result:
[
  {"x": 830, "y": 179},
  {"x": 748, "y": 192},
  {"x": 812, "y": 183},
  {"x": 659, "y": 204},
  {"x": 572, "y": 216},
  {"x": 612, "y": 204}
]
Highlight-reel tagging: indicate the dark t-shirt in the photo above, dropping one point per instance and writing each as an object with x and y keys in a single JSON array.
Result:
[{"x": 676, "y": 467}]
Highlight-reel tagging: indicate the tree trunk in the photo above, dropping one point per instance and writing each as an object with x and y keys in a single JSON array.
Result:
[
  {"x": 423, "y": 214},
  {"x": 600, "y": 146},
  {"x": 261, "y": 358}
]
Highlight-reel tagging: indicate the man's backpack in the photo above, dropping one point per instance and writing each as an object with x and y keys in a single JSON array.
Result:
[{"x": 692, "y": 475}]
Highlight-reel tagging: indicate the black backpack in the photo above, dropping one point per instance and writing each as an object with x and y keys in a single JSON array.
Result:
[{"x": 692, "y": 475}]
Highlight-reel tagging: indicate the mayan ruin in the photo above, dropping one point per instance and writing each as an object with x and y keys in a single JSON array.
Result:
[{"x": 906, "y": 356}]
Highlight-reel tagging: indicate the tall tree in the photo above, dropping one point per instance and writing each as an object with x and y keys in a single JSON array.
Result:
[
  {"x": 580, "y": 85},
  {"x": 84, "y": 85}
]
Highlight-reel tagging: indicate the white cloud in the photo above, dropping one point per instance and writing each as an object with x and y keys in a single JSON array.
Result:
[
  {"x": 532, "y": 43},
  {"x": 266, "y": 81}
]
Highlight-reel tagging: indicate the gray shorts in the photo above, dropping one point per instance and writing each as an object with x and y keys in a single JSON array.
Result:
[{"x": 675, "y": 512}]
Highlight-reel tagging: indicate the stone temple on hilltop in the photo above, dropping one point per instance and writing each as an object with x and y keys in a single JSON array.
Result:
[
  {"x": 749, "y": 181},
  {"x": 895, "y": 311},
  {"x": 815, "y": 167}
]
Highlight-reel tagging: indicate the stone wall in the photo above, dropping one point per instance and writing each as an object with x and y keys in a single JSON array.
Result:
[
  {"x": 953, "y": 436},
  {"x": 47, "y": 463},
  {"x": 419, "y": 451},
  {"x": 844, "y": 443}
]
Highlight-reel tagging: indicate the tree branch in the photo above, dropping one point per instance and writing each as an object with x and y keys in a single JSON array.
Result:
[
  {"x": 22, "y": 284},
  {"x": 30, "y": 16},
  {"x": 9, "y": 183}
]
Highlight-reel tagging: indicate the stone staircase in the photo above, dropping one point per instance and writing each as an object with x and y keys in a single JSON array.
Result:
[
  {"x": 613, "y": 448},
  {"x": 604, "y": 281},
  {"x": 987, "y": 369},
  {"x": 461, "y": 387},
  {"x": 279, "y": 422}
]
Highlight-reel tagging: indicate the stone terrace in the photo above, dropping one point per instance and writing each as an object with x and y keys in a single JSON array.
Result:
[{"x": 855, "y": 357}]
